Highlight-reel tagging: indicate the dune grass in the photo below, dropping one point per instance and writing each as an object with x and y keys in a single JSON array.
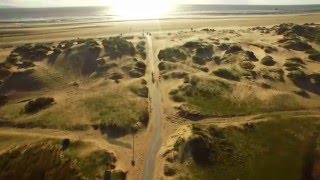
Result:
[
  {"x": 115, "y": 110},
  {"x": 281, "y": 148},
  {"x": 211, "y": 97}
]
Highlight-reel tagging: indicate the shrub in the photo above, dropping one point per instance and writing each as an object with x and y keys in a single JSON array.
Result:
[
  {"x": 116, "y": 47},
  {"x": 199, "y": 60},
  {"x": 251, "y": 56},
  {"x": 38, "y": 104},
  {"x": 233, "y": 49},
  {"x": 298, "y": 45},
  {"x": 297, "y": 75},
  {"x": 269, "y": 49},
  {"x": 166, "y": 66},
  {"x": 315, "y": 78},
  {"x": 169, "y": 171},
  {"x": 223, "y": 46},
  {"x": 296, "y": 60},
  {"x": 141, "y": 49},
  {"x": 315, "y": 56},
  {"x": 171, "y": 54},
  {"x": 192, "y": 44},
  {"x": 141, "y": 91},
  {"x": 247, "y": 65},
  {"x": 268, "y": 61},
  {"x": 227, "y": 74},
  {"x": 205, "y": 51}
]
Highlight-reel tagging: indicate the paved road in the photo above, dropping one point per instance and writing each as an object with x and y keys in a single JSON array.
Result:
[{"x": 156, "y": 116}]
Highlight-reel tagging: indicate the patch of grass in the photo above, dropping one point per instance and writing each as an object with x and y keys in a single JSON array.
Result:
[
  {"x": 229, "y": 74},
  {"x": 209, "y": 97},
  {"x": 283, "y": 146},
  {"x": 140, "y": 90},
  {"x": 115, "y": 111}
]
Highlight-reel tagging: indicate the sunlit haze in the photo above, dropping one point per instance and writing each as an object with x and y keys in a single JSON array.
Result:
[
  {"x": 134, "y": 3},
  {"x": 140, "y": 9}
]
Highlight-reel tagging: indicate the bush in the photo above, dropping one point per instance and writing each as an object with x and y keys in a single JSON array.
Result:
[
  {"x": 171, "y": 54},
  {"x": 297, "y": 75},
  {"x": 198, "y": 60},
  {"x": 116, "y": 47},
  {"x": 233, "y": 49},
  {"x": 3, "y": 99},
  {"x": 38, "y": 104},
  {"x": 298, "y": 45},
  {"x": 296, "y": 60},
  {"x": 223, "y": 46},
  {"x": 315, "y": 78},
  {"x": 270, "y": 49},
  {"x": 227, "y": 74},
  {"x": 166, "y": 66},
  {"x": 315, "y": 56},
  {"x": 205, "y": 51},
  {"x": 141, "y": 49},
  {"x": 247, "y": 65},
  {"x": 169, "y": 171},
  {"x": 192, "y": 44},
  {"x": 251, "y": 56},
  {"x": 268, "y": 61}
]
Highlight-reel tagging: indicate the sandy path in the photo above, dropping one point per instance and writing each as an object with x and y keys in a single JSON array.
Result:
[{"x": 156, "y": 114}]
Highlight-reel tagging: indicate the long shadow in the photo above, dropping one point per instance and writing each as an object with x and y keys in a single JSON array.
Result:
[{"x": 310, "y": 158}]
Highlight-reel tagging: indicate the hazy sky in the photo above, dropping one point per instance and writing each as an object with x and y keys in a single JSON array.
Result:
[{"x": 32, "y": 3}]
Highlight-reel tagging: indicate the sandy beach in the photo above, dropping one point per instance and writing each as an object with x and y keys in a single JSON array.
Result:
[{"x": 19, "y": 33}]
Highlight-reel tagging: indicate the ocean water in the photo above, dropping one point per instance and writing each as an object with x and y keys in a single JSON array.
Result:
[{"x": 181, "y": 11}]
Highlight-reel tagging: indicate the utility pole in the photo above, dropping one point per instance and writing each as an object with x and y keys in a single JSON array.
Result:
[{"x": 133, "y": 163}]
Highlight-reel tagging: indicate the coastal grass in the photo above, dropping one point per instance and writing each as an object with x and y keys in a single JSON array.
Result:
[
  {"x": 115, "y": 110},
  {"x": 282, "y": 148},
  {"x": 212, "y": 97}
]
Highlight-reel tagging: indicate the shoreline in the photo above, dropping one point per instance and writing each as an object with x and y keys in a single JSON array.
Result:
[
  {"x": 15, "y": 33},
  {"x": 111, "y": 19}
]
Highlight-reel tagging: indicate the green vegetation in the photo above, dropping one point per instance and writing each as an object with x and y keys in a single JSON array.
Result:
[
  {"x": 234, "y": 49},
  {"x": 209, "y": 97},
  {"x": 80, "y": 60},
  {"x": 116, "y": 47},
  {"x": 297, "y": 75},
  {"x": 172, "y": 55},
  {"x": 251, "y": 56},
  {"x": 230, "y": 74},
  {"x": 315, "y": 56},
  {"x": 141, "y": 49},
  {"x": 38, "y": 104},
  {"x": 166, "y": 66},
  {"x": 268, "y": 61},
  {"x": 293, "y": 64},
  {"x": 298, "y": 45},
  {"x": 114, "y": 112},
  {"x": 53, "y": 161},
  {"x": 287, "y": 145},
  {"x": 247, "y": 65},
  {"x": 272, "y": 74},
  {"x": 140, "y": 89},
  {"x": 32, "y": 52}
]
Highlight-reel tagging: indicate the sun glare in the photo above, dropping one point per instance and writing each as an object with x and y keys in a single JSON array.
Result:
[{"x": 141, "y": 9}]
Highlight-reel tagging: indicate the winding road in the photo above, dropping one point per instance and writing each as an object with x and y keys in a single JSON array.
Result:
[{"x": 156, "y": 116}]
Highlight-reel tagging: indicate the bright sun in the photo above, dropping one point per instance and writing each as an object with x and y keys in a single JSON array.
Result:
[{"x": 141, "y": 9}]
